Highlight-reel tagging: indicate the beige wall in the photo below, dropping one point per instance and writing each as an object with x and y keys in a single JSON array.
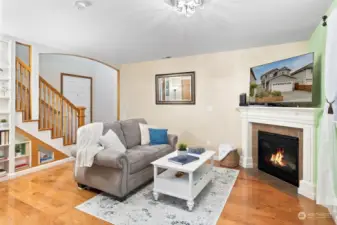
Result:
[{"x": 220, "y": 78}]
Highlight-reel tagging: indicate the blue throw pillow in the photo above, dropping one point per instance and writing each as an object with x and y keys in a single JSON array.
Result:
[{"x": 158, "y": 136}]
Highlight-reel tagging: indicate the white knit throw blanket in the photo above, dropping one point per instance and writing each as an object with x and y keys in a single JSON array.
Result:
[{"x": 88, "y": 144}]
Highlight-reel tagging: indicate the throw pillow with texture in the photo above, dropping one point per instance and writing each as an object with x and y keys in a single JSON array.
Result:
[
  {"x": 158, "y": 136},
  {"x": 111, "y": 140},
  {"x": 144, "y": 133}
]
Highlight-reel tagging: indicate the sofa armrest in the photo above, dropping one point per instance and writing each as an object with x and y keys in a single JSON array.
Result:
[
  {"x": 111, "y": 158},
  {"x": 172, "y": 140}
]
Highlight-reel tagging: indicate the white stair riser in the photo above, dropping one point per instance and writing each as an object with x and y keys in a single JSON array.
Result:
[{"x": 33, "y": 129}]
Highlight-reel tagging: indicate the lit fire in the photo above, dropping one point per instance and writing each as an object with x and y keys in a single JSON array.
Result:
[{"x": 277, "y": 158}]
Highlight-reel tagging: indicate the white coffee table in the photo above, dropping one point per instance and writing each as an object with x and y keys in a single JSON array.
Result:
[{"x": 197, "y": 175}]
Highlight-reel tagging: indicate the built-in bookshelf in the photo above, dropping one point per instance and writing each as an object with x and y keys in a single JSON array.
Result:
[
  {"x": 45, "y": 155},
  {"x": 7, "y": 107},
  {"x": 23, "y": 152}
]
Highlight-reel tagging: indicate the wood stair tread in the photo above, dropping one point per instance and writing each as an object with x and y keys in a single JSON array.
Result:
[
  {"x": 29, "y": 121},
  {"x": 45, "y": 129},
  {"x": 68, "y": 144},
  {"x": 56, "y": 137}
]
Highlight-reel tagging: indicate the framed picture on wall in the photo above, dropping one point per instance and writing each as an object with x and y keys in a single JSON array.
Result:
[{"x": 175, "y": 88}]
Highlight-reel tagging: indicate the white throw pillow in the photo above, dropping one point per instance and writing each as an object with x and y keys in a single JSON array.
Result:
[
  {"x": 145, "y": 133},
  {"x": 111, "y": 140}
]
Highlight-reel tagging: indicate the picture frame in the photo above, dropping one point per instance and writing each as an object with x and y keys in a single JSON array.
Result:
[{"x": 175, "y": 88}]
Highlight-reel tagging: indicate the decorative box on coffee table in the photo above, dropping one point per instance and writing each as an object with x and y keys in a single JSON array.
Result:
[{"x": 196, "y": 176}]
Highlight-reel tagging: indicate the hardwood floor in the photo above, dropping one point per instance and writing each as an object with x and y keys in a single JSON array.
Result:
[{"x": 49, "y": 197}]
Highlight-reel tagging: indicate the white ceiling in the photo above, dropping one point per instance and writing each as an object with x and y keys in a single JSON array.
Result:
[{"x": 124, "y": 31}]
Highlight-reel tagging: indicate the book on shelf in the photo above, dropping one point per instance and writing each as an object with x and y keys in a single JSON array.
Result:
[
  {"x": 183, "y": 159},
  {"x": 4, "y": 137},
  {"x": 3, "y": 172},
  {"x": 19, "y": 166}
]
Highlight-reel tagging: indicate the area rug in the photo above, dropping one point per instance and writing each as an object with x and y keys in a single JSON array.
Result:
[{"x": 141, "y": 208}]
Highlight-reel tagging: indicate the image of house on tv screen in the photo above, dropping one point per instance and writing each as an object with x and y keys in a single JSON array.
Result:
[{"x": 288, "y": 80}]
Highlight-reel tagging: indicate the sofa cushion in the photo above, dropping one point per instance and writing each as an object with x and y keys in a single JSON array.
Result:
[
  {"x": 141, "y": 156},
  {"x": 158, "y": 136},
  {"x": 145, "y": 133},
  {"x": 131, "y": 131},
  {"x": 115, "y": 127},
  {"x": 111, "y": 140}
]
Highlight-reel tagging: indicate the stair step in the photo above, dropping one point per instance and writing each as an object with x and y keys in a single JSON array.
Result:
[
  {"x": 68, "y": 144},
  {"x": 55, "y": 137},
  {"x": 47, "y": 135},
  {"x": 29, "y": 121},
  {"x": 45, "y": 129}
]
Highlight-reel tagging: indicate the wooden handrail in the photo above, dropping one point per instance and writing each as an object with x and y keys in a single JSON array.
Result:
[
  {"x": 22, "y": 63},
  {"x": 58, "y": 114},
  {"x": 57, "y": 92},
  {"x": 22, "y": 88}
]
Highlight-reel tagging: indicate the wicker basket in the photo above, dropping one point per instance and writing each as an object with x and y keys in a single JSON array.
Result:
[{"x": 232, "y": 160}]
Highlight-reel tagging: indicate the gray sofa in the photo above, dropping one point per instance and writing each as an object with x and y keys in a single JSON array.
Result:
[{"x": 118, "y": 174}]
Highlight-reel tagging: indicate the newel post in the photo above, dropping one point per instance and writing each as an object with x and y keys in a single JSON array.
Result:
[{"x": 81, "y": 116}]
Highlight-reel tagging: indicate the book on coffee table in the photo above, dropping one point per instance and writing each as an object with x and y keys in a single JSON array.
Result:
[{"x": 183, "y": 159}]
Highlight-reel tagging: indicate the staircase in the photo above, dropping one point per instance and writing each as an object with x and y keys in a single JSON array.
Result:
[{"x": 58, "y": 119}]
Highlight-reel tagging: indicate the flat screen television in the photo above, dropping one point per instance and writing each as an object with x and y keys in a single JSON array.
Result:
[{"x": 285, "y": 81}]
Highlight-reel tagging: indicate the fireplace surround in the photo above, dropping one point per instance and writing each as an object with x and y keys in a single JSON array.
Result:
[{"x": 296, "y": 122}]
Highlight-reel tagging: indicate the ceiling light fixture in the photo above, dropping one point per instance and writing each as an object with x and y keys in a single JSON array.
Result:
[
  {"x": 186, "y": 7},
  {"x": 80, "y": 5}
]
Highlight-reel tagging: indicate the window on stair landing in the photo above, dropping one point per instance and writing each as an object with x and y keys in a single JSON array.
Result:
[{"x": 23, "y": 52}]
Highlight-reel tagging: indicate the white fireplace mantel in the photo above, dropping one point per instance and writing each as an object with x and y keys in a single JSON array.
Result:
[{"x": 302, "y": 118}]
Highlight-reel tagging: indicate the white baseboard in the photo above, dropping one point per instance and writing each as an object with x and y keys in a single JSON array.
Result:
[
  {"x": 246, "y": 162},
  {"x": 333, "y": 212},
  {"x": 39, "y": 168},
  {"x": 4, "y": 178},
  {"x": 307, "y": 189}
]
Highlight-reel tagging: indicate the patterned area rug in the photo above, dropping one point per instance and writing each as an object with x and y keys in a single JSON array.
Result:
[{"x": 141, "y": 208}]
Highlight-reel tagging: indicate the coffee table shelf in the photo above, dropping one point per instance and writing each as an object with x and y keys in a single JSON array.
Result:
[{"x": 197, "y": 175}]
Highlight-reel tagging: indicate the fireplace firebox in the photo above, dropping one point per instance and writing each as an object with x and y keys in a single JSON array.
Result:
[{"x": 278, "y": 155}]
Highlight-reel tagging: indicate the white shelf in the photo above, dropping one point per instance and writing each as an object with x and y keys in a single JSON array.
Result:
[
  {"x": 4, "y": 160},
  {"x": 184, "y": 180},
  {"x": 22, "y": 156},
  {"x": 21, "y": 142},
  {"x": 4, "y": 97},
  {"x": 7, "y": 105}
]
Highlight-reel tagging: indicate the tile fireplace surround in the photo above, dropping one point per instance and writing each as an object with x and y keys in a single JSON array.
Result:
[{"x": 283, "y": 119}]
